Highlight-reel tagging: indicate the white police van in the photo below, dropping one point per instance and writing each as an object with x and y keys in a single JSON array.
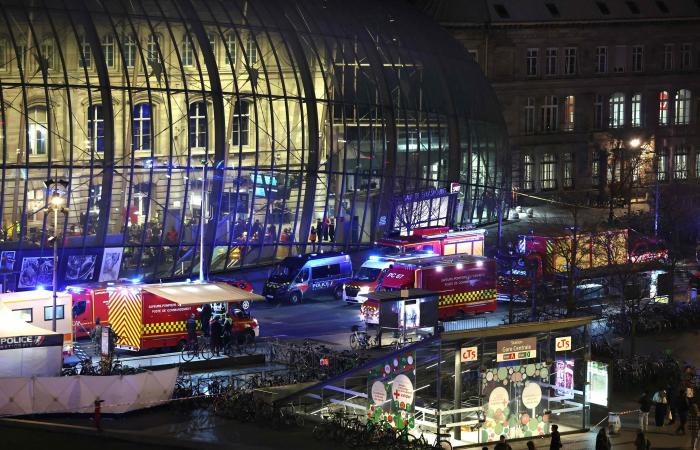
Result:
[{"x": 308, "y": 276}]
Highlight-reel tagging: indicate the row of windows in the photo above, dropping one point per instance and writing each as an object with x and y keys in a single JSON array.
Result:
[
  {"x": 47, "y": 57},
  {"x": 565, "y": 61},
  {"x": 549, "y": 165},
  {"x": 141, "y": 127},
  {"x": 551, "y": 119},
  {"x": 27, "y": 314}
]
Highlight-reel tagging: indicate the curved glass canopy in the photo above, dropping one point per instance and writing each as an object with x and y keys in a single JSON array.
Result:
[{"x": 283, "y": 125}]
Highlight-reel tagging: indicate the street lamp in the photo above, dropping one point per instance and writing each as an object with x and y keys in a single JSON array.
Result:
[{"x": 56, "y": 204}]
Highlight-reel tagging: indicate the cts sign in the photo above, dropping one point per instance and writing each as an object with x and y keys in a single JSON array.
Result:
[
  {"x": 470, "y": 354},
  {"x": 562, "y": 343}
]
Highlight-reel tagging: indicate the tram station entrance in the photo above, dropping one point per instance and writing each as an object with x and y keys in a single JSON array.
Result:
[{"x": 473, "y": 386}]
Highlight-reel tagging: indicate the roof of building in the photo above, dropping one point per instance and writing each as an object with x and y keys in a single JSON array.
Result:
[{"x": 536, "y": 11}]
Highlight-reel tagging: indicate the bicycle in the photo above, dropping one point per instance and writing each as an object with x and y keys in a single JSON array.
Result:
[
  {"x": 193, "y": 349},
  {"x": 360, "y": 340}
]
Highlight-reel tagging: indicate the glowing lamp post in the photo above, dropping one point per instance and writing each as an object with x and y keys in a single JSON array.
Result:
[{"x": 56, "y": 204}]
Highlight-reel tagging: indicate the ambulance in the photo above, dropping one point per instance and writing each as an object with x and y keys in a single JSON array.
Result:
[{"x": 466, "y": 284}]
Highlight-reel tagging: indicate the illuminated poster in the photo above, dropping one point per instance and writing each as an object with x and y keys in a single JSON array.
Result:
[
  {"x": 111, "y": 261},
  {"x": 564, "y": 380},
  {"x": 80, "y": 267},
  {"x": 36, "y": 272},
  {"x": 515, "y": 402},
  {"x": 391, "y": 391},
  {"x": 597, "y": 387}
]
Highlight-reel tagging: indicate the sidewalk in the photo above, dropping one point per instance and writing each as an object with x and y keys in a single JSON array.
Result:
[{"x": 663, "y": 439}]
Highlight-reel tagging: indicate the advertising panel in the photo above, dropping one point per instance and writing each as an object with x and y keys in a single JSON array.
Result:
[
  {"x": 564, "y": 380},
  {"x": 36, "y": 272},
  {"x": 597, "y": 387},
  {"x": 111, "y": 262},
  {"x": 391, "y": 391},
  {"x": 516, "y": 349},
  {"x": 80, "y": 267}
]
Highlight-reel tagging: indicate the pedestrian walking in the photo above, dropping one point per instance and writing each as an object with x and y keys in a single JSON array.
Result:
[
  {"x": 555, "y": 442},
  {"x": 641, "y": 442},
  {"x": 693, "y": 425},
  {"x": 312, "y": 235},
  {"x": 660, "y": 407},
  {"x": 682, "y": 407},
  {"x": 644, "y": 410},
  {"x": 502, "y": 444},
  {"x": 531, "y": 445},
  {"x": 602, "y": 441},
  {"x": 671, "y": 408}
]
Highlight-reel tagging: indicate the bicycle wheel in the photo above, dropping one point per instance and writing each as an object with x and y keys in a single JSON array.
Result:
[
  {"x": 189, "y": 352},
  {"x": 443, "y": 445},
  {"x": 354, "y": 342},
  {"x": 205, "y": 352}
]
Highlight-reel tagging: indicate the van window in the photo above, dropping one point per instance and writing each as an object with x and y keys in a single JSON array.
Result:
[
  {"x": 48, "y": 312},
  {"x": 303, "y": 276},
  {"x": 325, "y": 271},
  {"x": 25, "y": 314}
]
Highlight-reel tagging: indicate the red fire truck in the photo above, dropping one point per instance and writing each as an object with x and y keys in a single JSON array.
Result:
[
  {"x": 439, "y": 240},
  {"x": 154, "y": 315},
  {"x": 466, "y": 284}
]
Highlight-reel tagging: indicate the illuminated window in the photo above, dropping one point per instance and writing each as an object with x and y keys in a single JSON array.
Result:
[
  {"x": 617, "y": 110},
  {"x": 532, "y": 55},
  {"x": 530, "y": 115},
  {"x": 37, "y": 130},
  {"x": 637, "y": 110},
  {"x": 85, "y": 55},
  {"x": 198, "y": 125},
  {"x": 141, "y": 127},
  {"x": 662, "y": 164},
  {"x": 241, "y": 123},
  {"x": 682, "y": 107},
  {"x": 550, "y": 113},
  {"x": 528, "y": 173},
  {"x": 96, "y": 128},
  {"x": 550, "y": 67},
  {"x": 549, "y": 171},
  {"x": 25, "y": 314},
  {"x": 601, "y": 59},
  {"x": 569, "y": 113},
  {"x": 680, "y": 162},
  {"x": 48, "y": 312},
  {"x": 663, "y": 108},
  {"x": 108, "y": 49},
  {"x": 595, "y": 171}
]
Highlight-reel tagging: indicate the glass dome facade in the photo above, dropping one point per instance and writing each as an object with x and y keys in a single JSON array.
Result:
[{"x": 294, "y": 125}]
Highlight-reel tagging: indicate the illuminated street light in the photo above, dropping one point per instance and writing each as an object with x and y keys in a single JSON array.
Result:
[
  {"x": 56, "y": 204},
  {"x": 635, "y": 142}
]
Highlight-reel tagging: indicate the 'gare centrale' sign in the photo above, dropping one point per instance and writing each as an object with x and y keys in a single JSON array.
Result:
[{"x": 514, "y": 349}]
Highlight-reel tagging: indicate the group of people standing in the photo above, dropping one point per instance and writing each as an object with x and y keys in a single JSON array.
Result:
[
  {"x": 218, "y": 331},
  {"x": 321, "y": 232},
  {"x": 669, "y": 409}
]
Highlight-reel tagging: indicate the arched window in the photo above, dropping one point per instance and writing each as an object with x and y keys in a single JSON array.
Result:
[
  {"x": 682, "y": 104},
  {"x": 617, "y": 110},
  {"x": 187, "y": 51},
  {"x": 108, "y": 49},
  {"x": 198, "y": 125},
  {"x": 141, "y": 127},
  {"x": 241, "y": 122},
  {"x": 231, "y": 47},
  {"x": 96, "y": 128},
  {"x": 37, "y": 130},
  {"x": 663, "y": 108}
]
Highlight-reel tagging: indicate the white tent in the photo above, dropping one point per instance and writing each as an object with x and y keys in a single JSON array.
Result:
[{"x": 27, "y": 350}]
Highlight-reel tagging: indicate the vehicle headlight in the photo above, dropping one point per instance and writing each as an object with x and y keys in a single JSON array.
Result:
[{"x": 364, "y": 290}]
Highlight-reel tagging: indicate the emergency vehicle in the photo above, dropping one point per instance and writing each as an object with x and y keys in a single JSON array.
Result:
[
  {"x": 439, "y": 240},
  {"x": 36, "y": 307},
  {"x": 154, "y": 315},
  {"x": 466, "y": 284},
  {"x": 302, "y": 277},
  {"x": 543, "y": 258}
]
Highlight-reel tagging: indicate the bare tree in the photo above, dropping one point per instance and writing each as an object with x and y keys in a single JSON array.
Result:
[{"x": 626, "y": 169}]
